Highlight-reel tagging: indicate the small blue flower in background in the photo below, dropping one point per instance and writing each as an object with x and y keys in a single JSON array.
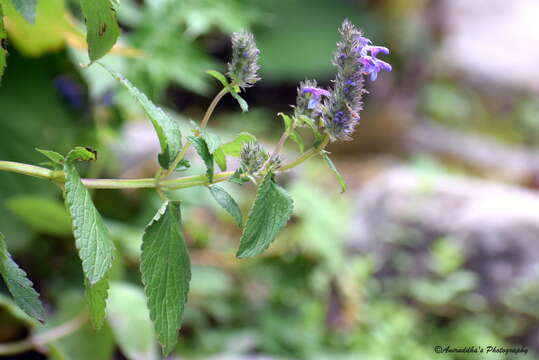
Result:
[{"x": 70, "y": 90}]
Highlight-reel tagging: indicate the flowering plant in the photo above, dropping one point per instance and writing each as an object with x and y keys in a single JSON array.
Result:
[{"x": 331, "y": 114}]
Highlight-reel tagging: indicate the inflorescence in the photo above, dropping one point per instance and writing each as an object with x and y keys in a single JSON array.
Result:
[{"x": 243, "y": 68}]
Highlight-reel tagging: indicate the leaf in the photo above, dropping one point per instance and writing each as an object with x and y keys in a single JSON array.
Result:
[
  {"x": 96, "y": 297},
  {"x": 42, "y": 213},
  {"x": 19, "y": 285},
  {"x": 81, "y": 153},
  {"x": 233, "y": 148},
  {"x": 269, "y": 214},
  {"x": 27, "y": 8},
  {"x": 227, "y": 202},
  {"x": 166, "y": 272},
  {"x": 216, "y": 74},
  {"x": 102, "y": 29},
  {"x": 335, "y": 171},
  {"x": 296, "y": 137},
  {"x": 238, "y": 177},
  {"x": 202, "y": 150},
  {"x": 92, "y": 237},
  {"x": 52, "y": 155},
  {"x": 168, "y": 131},
  {"x": 287, "y": 121},
  {"x": 3, "y": 44},
  {"x": 310, "y": 123},
  {"x": 220, "y": 159},
  {"x": 243, "y": 104},
  {"x": 130, "y": 321},
  {"x": 212, "y": 140},
  {"x": 47, "y": 34}
]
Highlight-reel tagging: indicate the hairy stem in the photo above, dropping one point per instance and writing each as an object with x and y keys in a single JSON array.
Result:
[
  {"x": 145, "y": 183},
  {"x": 203, "y": 124},
  {"x": 38, "y": 340}
]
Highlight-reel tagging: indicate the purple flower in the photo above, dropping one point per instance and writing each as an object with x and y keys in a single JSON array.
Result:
[
  {"x": 309, "y": 98},
  {"x": 315, "y": 95},
  {"x": 354, "y": 58},
  {"x": 371, "y": 64},
  {"x": 243, "y": 68}
]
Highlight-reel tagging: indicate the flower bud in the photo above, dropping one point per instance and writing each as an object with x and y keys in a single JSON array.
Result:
[
  {"x": 243, "y": 68},
  {"x": 252, "y": 157},
  {"x": 309, "y": 99}
]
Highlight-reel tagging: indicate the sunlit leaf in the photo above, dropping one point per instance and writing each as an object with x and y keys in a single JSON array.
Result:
[
  {"x": 102, "y": 27},
  {"x": 270, "y": 213},
  {"x": 166, "y": 272}
]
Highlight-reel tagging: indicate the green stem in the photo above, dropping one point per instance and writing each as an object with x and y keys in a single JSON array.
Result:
[
  {"x": 145, "y": 183},
  {"x": 203, "y": 125}
]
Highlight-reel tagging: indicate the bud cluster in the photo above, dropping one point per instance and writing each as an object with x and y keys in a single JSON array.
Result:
[
  {"x": 252, "y": 157},
  {"x": 243, "y": 68},
  {"x": 309, "y": 99}
]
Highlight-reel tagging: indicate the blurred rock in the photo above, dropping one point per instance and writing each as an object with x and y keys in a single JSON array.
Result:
[
  {"x": 493, "y": 40},
  {"x": 496, "y": 226}
]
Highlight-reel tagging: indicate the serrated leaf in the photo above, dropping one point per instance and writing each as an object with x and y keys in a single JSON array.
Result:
[
  {"x": 19, "y": 285},
  {"x": 228, "y": 203},
  {"x": 243, "y": 104},
  {"x": 3, "y": 44},
  {"x": 166, "y": 272},
  {"x": 270, "y": 213},
  {"x": 216, "y": 74},
  {"x": 96, "y": 297},
  {"x": 27, "y": 8},
  {"x": 202, "y": 150},
  {"x": 102, "y": 29},
  {"x": 52, "y": 155},
  {"x": 213, "y": 141},
  {"x": 296, "y": 137},
  {"x": 333, "y": 168},
  {"x": 168, "y": 131},
  {"x": 91, "y": 235}
]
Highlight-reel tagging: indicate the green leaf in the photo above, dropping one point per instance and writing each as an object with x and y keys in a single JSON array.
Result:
[
  {"x": 335, "y": 171},
  {"x": 296, "y": 137},
  {"x": 243, "y": 104},
  {"x": 166, "y": 272},
  {"x": 52, "y": 155},
  {"x": 310, "y": 123},
  {"x": 3, "y": 44},
  {"x": 287, "y": 121},
  {"x": 43, "y": 214},
  {"x": 168, "y": 131},
  {"x": 220, "y": 158},
  {"x": 96, "y": 297},
  {"x": 269, "y": 214},
  {"x": 19, "y": 285},
  {"x": 102, "y": 26},
  {"x": 130, "y": 321},
  {"x": 212, "y": 140},
  {"x": 202, "y": 150},
  {"x": 227, "y": 202},
  {"x": 27, "y": 8},
  {"x": 216, "y": 74},
  {"x": 238, "y": 177},
  {"x": 80, "y": 153},
  {"x": 233, "y": 148},
  {"x": 92, "y": 237}
]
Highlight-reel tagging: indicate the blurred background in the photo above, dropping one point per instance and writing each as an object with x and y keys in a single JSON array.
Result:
[{"x": 436, "y": 241}]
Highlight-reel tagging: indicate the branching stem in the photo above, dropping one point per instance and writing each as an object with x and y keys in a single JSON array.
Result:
[{"x": 145, "y": 183}]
